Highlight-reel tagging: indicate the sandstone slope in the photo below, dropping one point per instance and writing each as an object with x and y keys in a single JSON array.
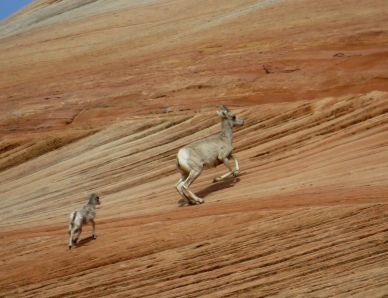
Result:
[{"x": 100, "y": 95}]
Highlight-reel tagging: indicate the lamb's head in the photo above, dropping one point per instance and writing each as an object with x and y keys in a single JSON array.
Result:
[
  {"x": 94, "y": 199},
  {"x": 227, "y": 115}
]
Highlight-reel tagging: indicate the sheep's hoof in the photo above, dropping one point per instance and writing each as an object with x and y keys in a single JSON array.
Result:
[
  {"x": 194, "y": 202},
  {"x": 217, "y": 179},
  {"x": 94, "y": 237},
  {"x": 70, "y": 247},
  {"x": 200, "y": 201}
]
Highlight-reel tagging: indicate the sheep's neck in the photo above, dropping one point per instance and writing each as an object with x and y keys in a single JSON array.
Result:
[{"x": 226, "y": 130}]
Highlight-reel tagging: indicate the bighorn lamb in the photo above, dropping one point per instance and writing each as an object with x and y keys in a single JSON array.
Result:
[
  {"x": 81, "y": 217},
  {"x": 207, "y": 153}
]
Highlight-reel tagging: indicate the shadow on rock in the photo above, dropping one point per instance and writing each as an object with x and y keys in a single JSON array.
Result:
[
  {"x": 183, "y": 202},
  {"x": 218, "y": 186},
  {"x": 211, "y": 188},
  {"x": 84, "y": 241}
]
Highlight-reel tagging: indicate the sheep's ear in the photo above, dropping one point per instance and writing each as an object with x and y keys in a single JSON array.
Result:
[
  {"x": 225, "y": 108},
  {"x": 221, "y": 113}
]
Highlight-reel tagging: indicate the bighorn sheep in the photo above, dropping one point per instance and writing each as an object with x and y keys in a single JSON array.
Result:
[
  {"x": 207, "y": 153},
  {"x": 85, "y": 215}
]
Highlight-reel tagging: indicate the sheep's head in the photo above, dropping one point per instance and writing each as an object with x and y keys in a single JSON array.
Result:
[
  {"x": 226, "y": 114},
  {"x": 94, "y": 199}
]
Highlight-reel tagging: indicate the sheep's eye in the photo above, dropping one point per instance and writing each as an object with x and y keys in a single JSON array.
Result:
[{"x": 234, "y": 117}]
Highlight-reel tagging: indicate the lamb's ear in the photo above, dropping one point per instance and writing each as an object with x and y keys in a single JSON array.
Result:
[
  {"x": 225, "y": 108},
  {"x": 92, "y": 195},
  {"x": 221, "y": 113}
]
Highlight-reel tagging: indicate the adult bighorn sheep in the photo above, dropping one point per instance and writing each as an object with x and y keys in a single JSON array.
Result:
[
  {"x": 206, "y": 153},
  {"x": 85, "y": 215}
]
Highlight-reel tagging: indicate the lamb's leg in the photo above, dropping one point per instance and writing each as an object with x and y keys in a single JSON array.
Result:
[
  {"x": 71, "y": 229},
  {"x": 77, "y": 233},
  {"x": 193, "y": 199},
  {"x": 71, "y": 237},
  {"x": 236, "y": 166},
  {"x": 230, "y": 172},
  {"x": 94, "y": 229}
]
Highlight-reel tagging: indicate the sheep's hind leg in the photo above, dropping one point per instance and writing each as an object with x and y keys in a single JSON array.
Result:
[
  {"x": 77, "y": 233},
  {"x": 179, "y": 186},
  {"x": 71, "y": 243},
  {"x": 193, "y": 199}
]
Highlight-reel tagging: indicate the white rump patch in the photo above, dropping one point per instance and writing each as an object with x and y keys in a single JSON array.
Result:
[{"x": 183, "y": 158}]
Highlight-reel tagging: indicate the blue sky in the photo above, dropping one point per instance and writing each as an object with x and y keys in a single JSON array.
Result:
[{"x": 9, "y": 7}]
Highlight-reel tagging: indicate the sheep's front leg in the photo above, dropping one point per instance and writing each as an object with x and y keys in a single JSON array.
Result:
[
  {"x": 94, "y": 229},
  {"x": 230, "y": 172},
  {"x": 236, "y": 166}
]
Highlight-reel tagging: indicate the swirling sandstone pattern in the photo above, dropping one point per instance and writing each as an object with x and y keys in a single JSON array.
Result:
[{"x": 100, "y": 95}]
